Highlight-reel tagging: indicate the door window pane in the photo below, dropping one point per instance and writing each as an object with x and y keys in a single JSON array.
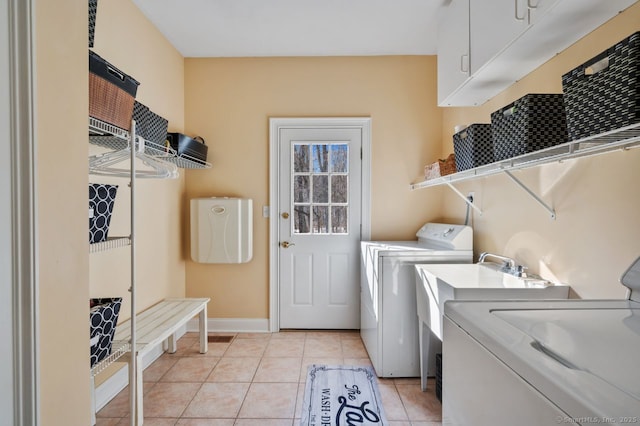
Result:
[
  {"x": 320, "y": 188},
  {"x": 339, "y": 158},
  {"x": 301, "y": 220},
  {"x": 339, "y": 220},
  {"x": 320, "y": 219},
  {"x": 339, "y": 188},
  {"x": 301, "y": 189},
  {"x": 320, "y": 158},
  {"x": 301, "y": 159}
]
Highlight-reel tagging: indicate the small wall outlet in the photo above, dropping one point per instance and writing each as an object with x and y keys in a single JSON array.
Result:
[{"x": 471, "y": 196}]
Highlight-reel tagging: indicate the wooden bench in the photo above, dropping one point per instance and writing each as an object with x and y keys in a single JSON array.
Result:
[{"x": 158, "y": 324}]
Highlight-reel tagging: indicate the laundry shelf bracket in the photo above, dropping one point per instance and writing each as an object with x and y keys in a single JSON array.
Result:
[
  {"x": 466, "y": 200},
  {"x": 532, "y": 194}
]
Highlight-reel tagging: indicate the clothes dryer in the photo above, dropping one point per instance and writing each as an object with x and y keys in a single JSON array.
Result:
[{"x": 388, "y": 298}]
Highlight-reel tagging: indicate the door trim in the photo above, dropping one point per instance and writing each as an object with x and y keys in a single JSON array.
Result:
[
  {"x": 19, "y": 192},
  {"x": 276, "y": 125}
]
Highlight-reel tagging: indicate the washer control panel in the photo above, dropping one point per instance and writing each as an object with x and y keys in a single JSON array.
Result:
[{"x": 454, "y": 236}]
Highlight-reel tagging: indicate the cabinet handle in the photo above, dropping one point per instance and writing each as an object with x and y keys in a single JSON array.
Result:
[
  {"x": 462, "y": 61},
  {"x": 518, "y": 18}
]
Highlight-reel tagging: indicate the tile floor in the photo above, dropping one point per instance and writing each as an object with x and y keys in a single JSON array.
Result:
[{"x": 258, "y": 379}]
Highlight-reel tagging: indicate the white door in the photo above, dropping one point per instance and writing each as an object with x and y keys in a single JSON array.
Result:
[{"x": 319, "y": 220}]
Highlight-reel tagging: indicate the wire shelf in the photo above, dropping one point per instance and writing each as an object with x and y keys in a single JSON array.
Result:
[
  {"x": 118, "y": 349},
  {"x": 109, "y": 244},
  {"x": 99, "y": 127},
  {"x": 186, "y": 162},
  {"x": 114, "y": 138},
  {"x": 620, "y": 139}
]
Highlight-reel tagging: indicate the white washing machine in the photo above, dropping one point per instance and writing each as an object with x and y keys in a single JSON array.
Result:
[
  {"x": 543, "y": 362},
  {"x": 388, "y": 314}
]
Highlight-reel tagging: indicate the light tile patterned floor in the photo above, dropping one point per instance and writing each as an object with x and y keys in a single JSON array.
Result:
[{"x": 258, "y": 379}]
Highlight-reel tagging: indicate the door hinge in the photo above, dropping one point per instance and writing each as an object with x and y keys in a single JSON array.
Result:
[{"x": 361, "y": 153}]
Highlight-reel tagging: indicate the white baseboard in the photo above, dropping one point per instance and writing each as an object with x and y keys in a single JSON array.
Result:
[
  {"x": 118, "y": 381},
  {"x": 233, "y": 325}
]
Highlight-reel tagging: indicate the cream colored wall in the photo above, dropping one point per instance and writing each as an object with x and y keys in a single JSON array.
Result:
[
  {"x": 67, "y": 274},
  {"x": 63, "y": 260},
  {"x": 229, "y": 102},
  {"x": 597, "y": 233},
  {"x": 129, "y": 41}
]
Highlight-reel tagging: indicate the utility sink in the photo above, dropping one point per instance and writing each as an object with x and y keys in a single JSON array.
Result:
[{"x": 435, "y": 284}]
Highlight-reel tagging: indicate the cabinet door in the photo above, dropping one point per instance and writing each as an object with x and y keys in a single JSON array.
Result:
[
  {"x": 494, "y": 24},
  {"x": 453, "y": 48},
  {"x": 537, "y": 8}
]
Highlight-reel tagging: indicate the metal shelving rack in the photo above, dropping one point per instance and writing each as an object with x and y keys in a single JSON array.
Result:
[
  {"x": 621, "y": 139},
  {"x": 119, "y": 349},
  {"x": 115, "y": 138}
]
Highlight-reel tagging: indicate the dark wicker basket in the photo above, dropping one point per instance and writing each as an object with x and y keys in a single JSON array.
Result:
[
  {"x": 93, "y": 8},
  {"x": 473, "y": 146},
  {"x": 531, "y": 123},
  {"x": 150, "y": 126},
  {"x": 603, "y": 94}
]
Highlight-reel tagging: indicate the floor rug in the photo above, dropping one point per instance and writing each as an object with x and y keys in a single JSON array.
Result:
[{"x": 341, "y": 395}]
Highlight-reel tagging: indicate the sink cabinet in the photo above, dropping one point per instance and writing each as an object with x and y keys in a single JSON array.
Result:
[{"x": 484, "y": 46}]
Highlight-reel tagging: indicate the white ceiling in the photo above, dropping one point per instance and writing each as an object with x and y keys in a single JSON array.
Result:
[{"x": 234, "y": 28}]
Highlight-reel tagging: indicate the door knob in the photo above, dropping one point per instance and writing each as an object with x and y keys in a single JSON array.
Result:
[
  {"x": 287, "y": 244},
  {"x": 285, "y": 215}
]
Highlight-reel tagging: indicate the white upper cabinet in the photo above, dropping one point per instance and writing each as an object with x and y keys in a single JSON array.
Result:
[
  {"x": 537, "y": 8},
  {"x": 493, "y": 24},
  {"x": 506, "y": 40},
  {"x": 453, "y": 47}
]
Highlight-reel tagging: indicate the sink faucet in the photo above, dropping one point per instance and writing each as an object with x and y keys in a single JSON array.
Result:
[{"x": 509, "y": 265}]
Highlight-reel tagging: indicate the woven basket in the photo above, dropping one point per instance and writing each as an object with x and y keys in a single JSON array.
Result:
[
  {"x": 149, "y": 125},
  {"x": 603, "y": 94},
  {"x": 109, "y": 103},
  {"x": 93, "y": 8},
  {"x": 531, "y": 123},
  {"x": 111, "y": 93},
  {"x": 440, "y": 168},
  {"x": 473, "y": 146}
]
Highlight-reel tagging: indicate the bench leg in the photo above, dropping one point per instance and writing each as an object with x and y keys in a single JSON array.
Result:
[
  {"x": 172, "y": 345},
  {"x": 204, "y": 339}
]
